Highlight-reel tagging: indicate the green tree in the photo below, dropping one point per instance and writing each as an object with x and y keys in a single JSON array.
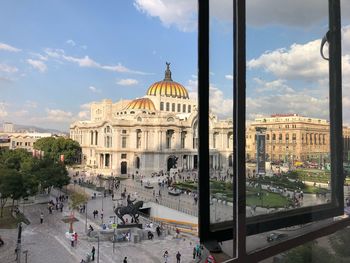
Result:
[
  {"x": 11, "y": 186},
  {"x": 13, "y": 159},
  {"x": 77, "y": 199},
  {"x": 48, "y": 174},
  {"x": 53, "y": 148}
]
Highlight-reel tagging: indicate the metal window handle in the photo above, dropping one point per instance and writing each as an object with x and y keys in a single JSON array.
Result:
[{"x": 323, "y": 42}]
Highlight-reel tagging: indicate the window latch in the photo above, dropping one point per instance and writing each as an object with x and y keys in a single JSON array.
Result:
[{"x": 323, "y": 42}]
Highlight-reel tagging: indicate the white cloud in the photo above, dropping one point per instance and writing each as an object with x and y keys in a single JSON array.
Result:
[
  {"x": 57, "y": 115},
  {"x": 3, "y": 111},
  {"x": 82, "y": 62},
  {"x": 94, "y": 89},
  {"x": 298, "y": 13},
  {"x": 86, "y": 106},
  {"x": 181, "y": 13},
  {"x": 85, "y": 112},
  {"x": 41, "y": 57},
  {"x": 20, "y": 113},
  {"x": 7, "y": 68},
  {"x": 71, "y": 42},
  {"x": 299, "y": 61},
  {"x": 276, "y": 86},
  {"x": 297, "y": 102},
  {"x": 5, "y": 79},
  {"x": 83, "y": 115},
  {"x": 219, "y": 104},
  {"x": 37, "y": 64},
  {"x": 9, "y": 48},
  {"x": 54, "y": 53},
  {"x": 86, "y": 61},
  {"x": 127, "y": 82},
  {"x": 230, "y": 77},
  {"x": 31, "y": 104}
]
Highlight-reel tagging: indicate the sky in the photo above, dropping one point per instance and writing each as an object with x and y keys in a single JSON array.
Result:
[{"x": 58, "y": 56}]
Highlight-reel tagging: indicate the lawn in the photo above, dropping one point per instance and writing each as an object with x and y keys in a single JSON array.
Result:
[
  {"x": 223, "y": 191},
  {"x": 267, "y": 199},
  {"x": 8, "y": 221}
]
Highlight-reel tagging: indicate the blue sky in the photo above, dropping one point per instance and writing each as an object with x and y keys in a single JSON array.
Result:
[{"x": 58, "y": 56}]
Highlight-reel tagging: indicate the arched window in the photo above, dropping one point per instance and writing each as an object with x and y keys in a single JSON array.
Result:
[
  {"x": 162, "y": 106},
  {"x": 189, "y": 108},
  {"x": 173, "y": 107},
  {"x": 184, "y": 108},
  {"x": 178, "y": 107},
  {"x": 137, "y": 162},
  {"x": 167, "y": 106}
]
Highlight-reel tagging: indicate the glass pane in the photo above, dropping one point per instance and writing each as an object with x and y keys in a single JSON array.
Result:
[
  {"x": 221, "y": 109},
  {"x": 328, "y": 249},
  {"x": 287, "y": 128}
]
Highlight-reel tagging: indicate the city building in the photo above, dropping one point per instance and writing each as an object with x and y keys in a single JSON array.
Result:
[
  {"x": 25, "y": 140},
  {"x": 150, "y": 134},
  {"x": 291, "y": 137},
  {"x": 8, "y": 127}
]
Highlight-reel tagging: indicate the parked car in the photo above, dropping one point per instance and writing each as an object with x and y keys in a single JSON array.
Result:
[{"x": 275, "y": 237}]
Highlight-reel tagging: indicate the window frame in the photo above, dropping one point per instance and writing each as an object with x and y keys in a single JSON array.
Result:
[{"x": 241, "y": 226}]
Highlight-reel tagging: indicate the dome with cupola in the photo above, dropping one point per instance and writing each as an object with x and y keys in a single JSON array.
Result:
[
  {"x": 168, "y": 87},
  {"x": 141, "y": 104}
]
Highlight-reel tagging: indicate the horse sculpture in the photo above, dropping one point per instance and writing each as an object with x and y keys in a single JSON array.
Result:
[{"x": 131, "y": 209}]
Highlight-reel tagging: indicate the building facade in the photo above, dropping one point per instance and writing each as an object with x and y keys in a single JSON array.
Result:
[
  {"x": 25, "y": 140},
  {"x": 291, "y": 137},
  {"x": 150, "y": 134}
]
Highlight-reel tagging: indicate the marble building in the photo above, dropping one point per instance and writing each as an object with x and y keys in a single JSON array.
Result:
[{"x": 150, "y": 134}]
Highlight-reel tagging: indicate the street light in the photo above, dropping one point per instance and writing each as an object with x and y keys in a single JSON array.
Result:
[
  {"x": 114, "y": 227},
  {"x": 86, "y": 216}
]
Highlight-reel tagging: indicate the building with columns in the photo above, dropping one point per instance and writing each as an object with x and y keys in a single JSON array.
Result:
[
  {"x": 150, "y": 134},
  {"x": 291, "y": 137}
]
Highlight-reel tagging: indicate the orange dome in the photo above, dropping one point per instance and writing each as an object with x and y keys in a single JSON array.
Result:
[
  {"x": 141, "y": 104},
  {"x": 168, "y": 87}
]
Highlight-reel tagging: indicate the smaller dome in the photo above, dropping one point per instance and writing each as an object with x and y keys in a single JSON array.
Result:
[{"x": 141, "y": 104}]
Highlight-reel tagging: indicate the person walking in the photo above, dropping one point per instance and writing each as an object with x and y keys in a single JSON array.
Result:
[
  {"x": 93, "y": 253},
  {"x": 194, "y": 252},
  {"x": 165, "y": 256},
  {"x": 72, "y": 240},
  {"x": 125, "y": 260},
  {"x": 41, "y": 217},
  {"x": 178, "y": 257},
  {"x": 76, "y": 238}
]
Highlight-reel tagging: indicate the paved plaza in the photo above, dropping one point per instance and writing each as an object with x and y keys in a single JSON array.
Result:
[{"x": 47, "y": 242}]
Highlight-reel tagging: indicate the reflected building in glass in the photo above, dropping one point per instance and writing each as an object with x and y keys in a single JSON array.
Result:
[
  {"x": 293, "y": 138},
  {"x": 150, "y": 134}
]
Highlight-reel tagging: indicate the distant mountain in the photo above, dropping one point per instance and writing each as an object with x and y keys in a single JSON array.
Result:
[{"x": 29, "y": 128}]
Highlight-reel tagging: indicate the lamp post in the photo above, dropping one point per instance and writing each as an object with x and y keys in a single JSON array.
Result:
[
  {"x": 86, "y": 206},
  {"x": 98, "y": 248},
  {"x": 114, "y": 227},
  {"x": 25, "y": 252}
]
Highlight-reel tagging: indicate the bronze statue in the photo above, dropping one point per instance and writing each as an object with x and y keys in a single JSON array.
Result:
[{"x": 131, "y": 209}]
